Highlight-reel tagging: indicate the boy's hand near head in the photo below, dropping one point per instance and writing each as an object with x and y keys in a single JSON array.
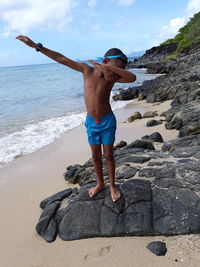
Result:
[{"x": 124, "y": 76}]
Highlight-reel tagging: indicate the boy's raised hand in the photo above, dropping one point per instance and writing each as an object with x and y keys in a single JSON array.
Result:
[
  {"x": 101, "y": 66},
  {"x": 94, "y": 63},
  {"x": 26, "y": 40}
]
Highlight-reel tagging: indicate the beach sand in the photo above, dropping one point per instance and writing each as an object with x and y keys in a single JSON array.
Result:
[{"x": 29, "y": 179}]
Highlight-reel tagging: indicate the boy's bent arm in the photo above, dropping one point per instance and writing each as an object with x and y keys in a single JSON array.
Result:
[
  {"x": 125, "y": 76},
  {"x": 79, "y": 66}
]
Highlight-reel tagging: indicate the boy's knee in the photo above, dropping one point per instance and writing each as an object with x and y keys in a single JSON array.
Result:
[
  {"x": 96, "y": 156},
  {"x": 109, "y": 156}
]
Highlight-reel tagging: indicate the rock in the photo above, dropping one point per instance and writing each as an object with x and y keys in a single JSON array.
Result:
[
  {"x": 101, "y": 217},
  {"x": 150, "y": 114},
  {"x": 153, "y": 123},
  {"x": 120, "y": 145},
  {"x": 141, "y": 97},
  {"x": 161, "y": 197},
  {"x": 153, "y": 59},
  {"x": 56, "y": 197},
  {"x": 127, "y": 94},
  {"x": 126, "y": 172},
  {"x": 133, "y": 159},
  {"x": 157, "y": 247},
  {"x": 154, "y": 137},
  {"x": 135, "y": 116},
  {"x": 141, "y": 144},
  {"x": 163, "y": 114},
  {"x": 47, "y": 226}
]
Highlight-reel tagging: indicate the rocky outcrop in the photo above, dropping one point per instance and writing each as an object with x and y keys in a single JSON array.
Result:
[
  {"x": 154, "y": 59},
  {"x": 182, "y": 86},
  {"x": 160, "y": 195}
]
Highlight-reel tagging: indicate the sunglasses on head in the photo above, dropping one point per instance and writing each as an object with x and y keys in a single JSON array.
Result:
[{"x": 122, "y": 56}]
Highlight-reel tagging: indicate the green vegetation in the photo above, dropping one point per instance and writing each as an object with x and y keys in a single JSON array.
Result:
[
  {"x": 189, "y": 34},
  {"x": 172, "y": 56}
]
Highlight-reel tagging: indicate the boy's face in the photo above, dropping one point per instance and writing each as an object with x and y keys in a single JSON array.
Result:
[{"x": 117, "y": 62}]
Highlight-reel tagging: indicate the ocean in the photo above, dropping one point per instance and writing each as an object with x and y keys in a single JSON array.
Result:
[{"x": 38, "y": 103}]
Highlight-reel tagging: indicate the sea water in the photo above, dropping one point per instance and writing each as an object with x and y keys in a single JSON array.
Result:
[{"x": 38, "y": 103}]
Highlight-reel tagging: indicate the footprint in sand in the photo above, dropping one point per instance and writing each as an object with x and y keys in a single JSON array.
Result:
[{"x": 104, "y": 251}]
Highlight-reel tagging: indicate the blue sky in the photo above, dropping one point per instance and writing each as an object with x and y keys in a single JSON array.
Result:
[{"x": 84, "y": 29}]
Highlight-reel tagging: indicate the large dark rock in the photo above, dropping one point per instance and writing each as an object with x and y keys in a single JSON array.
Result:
[
  {"x": 154, "y": 137},
  {"x": 102, "y": 217},
  {"x": 185, "y": 118},
  {"x": 160, "y": 195},
  {"x": 141, "y": 144}
]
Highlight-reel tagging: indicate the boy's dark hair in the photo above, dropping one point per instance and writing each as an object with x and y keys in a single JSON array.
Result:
[{"x": 115, "y": 52}]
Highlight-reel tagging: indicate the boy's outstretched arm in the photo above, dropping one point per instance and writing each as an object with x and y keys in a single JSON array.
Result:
[{"x": 79, "y": 66}]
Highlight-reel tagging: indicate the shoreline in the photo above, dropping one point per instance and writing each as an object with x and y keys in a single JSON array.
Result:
[
  {"x": 31, "y": 178},
  {"x": 27, "y": 134}
]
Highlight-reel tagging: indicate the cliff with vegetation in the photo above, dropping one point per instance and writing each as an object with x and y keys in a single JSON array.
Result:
[{"x": 174, "y": 53}]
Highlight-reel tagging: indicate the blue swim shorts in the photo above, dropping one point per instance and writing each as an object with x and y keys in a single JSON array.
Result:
[{"x": 101, "y": 130}]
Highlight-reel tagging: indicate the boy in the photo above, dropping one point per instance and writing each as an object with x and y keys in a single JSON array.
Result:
[{"x": 100, "y": 120}]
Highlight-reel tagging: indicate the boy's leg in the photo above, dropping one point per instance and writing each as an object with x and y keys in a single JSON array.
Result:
[
  {"x": 97, "y": 161},
  {"x": 110, "y": 161}
]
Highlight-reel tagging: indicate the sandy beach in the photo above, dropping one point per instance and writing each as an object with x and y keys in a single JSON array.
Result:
[{"x": 30, "y": 178}]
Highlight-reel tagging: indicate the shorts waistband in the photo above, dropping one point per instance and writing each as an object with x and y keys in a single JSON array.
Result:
[{"x": 102, "y": 117}]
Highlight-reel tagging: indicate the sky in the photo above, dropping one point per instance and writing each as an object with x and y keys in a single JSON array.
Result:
[{"x": 85, "y": 29}]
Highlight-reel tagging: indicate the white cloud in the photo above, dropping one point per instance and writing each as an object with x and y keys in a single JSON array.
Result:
[
  {"x": 193, "y": 7},
  {"x": 92, "y": 3},
  {"x": 173, "y": 27},
  {"x": 125, "y": 2},
  {"x": 20, "y": 16}
]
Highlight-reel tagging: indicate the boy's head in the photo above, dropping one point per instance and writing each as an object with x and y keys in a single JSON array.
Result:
[{"x": 115, "y": 56}]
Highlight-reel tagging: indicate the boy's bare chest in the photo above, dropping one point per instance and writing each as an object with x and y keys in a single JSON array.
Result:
[{"x": 95, "y": 82}]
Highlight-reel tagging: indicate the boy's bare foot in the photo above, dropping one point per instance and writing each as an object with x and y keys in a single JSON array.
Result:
[
  {"x": 115, "y": 194},
  {"x": 95, "y": 189}
]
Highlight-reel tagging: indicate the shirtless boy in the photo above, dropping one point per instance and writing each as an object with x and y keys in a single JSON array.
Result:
[{"x": 100, "y": 120}]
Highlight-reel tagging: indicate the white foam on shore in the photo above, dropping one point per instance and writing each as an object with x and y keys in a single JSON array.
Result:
[{"x": 37, "y": 135}]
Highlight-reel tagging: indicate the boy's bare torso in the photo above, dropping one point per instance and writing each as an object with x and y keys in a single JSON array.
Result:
[{"x": 97, "y": 88}]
